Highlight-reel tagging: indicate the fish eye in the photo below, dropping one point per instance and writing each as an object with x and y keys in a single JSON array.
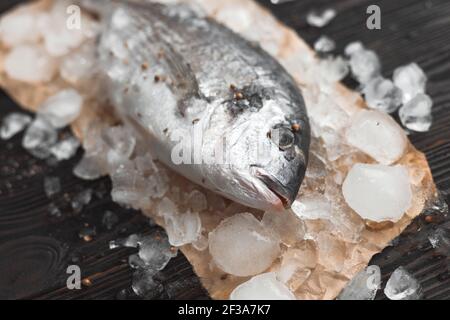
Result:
[{"x": 283, "y": 137}]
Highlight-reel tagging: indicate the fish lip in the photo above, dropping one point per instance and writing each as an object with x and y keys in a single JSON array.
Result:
[{"x": 275, "y": 186}]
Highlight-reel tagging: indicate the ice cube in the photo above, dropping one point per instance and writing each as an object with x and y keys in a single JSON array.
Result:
[
  {"x": 324, "y": 44},
  {"x": 156, "y": 251},
  {"x": 66, "y": 148},
  {"x": 197, "y": 201},
  {"x": 364, "y": 64},
  {"x": 377, "y": 135},
  {"x": 131, "y": 241},
  {"x": 110, "y": 219},
  {"x": 40, "y": 136},
  {"x": 312, "y": 206},
  {"x": 363, "y": 286},
  {"x": 287, "y": 227},
  {"x": 12, "y": 124},
  {"x": 89, "y": 168},
  {"x": 54, "y": 211},
  {"x": 128, "y": 185},
  {"x": 135, "y": 262},
  {"x": 30, "y": 63},
  {"x": 411, "y": 80},
  {"x": 297, "y": 265},
  {"x": 333, "y": 69},
  {"x": 353, "y": 47},
  {"x": 416, "y": 114},
  {"x": 320, "y": 18},
  {"x": 79, "y": 65},
  {"x": 62, "y": 108},
  {"x": 52, "y": 186},
  {"x": 265, "y": 286},
  {"x": 121, "y": 144},
  {"x": 242, "y": 246},
  {"x": 378, "y": 192},
  {"x": 402, "y": 286},
  {"x": 183, "y": 228},
  {"x": 144, "y": 285},
  {"x": 381, "y": 94},
  {"x": 166, "y": 207},
  {"x": 19, "y": 27},
  {"x": 201, "y": 244},
  {"x": 81, "y": 199},
  {"x": 331, "y": 251},
  {"x": 440, "y": 240}
]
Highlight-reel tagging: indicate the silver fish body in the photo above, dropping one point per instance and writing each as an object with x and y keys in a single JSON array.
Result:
[{"x": 212, "y": 106}]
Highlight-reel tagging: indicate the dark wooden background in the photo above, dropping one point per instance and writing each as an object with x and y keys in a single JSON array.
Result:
[{"x": 35, "y": 248}]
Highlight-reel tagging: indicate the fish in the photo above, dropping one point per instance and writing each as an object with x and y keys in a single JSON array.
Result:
[{"x": 211, "y": 105}]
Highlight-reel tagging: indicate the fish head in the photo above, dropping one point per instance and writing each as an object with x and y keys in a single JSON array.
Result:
[{"x": 270, "y": 148}]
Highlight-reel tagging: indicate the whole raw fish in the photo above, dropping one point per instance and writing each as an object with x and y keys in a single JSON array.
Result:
[{"x": 213, "y": 107}]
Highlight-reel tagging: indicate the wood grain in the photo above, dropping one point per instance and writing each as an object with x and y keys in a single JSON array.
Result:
[{"x": 35, "y": 248}]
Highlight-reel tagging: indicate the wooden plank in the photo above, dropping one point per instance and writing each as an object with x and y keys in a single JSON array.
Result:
[{"x": 35, "y": 248}]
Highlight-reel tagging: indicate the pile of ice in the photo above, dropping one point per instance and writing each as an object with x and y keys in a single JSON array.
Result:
[
  {"x": 406, "y": 91},
  {"x": 42, "y": 135},
  {"x": 44, "y": 43},
  {"x": 154, "y": 253}
]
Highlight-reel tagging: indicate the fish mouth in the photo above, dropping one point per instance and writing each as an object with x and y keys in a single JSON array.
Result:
[{"x": 284, "y": 193}]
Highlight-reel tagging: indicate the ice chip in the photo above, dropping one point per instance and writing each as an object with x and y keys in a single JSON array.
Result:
[
  {"x": 65, "y": 149},
  {"x": 378, "y": 192},
  {"x": 297, "y": 265},
  {"x": 321, "y": 18},
  {"x": 402, "y": 286},
  {"x": 155, "y": 251},
  {"x": 30, "y": 63},
  {"x": 411, "y": 80},
  {"x": 131, "y": 241},
  {"x": 81, "y": 199},
  {"x": 416, "y": 113},
  {"x": 19, "y": 27},
  {"x": 324, "y": 44},
  {"x": 121, "y": 144},
  {"x": 109, "y": 220},
  {"x": 312, "y": 206},
  {"x": 197, "y": 201},
  {"x": 287, "y": 226},
  {"x": 88, "y": 168},
  {"x": 52, "y": 186},
  {"x": 62, "y": 108},
  {"x": 353, "y": 47},
  {"x": 365, "y": 64},
  {"x": 12, "y": 124},
  {"x": 79, "y": 65},
  {"x": 381, "y": 94},
  {"x": 41, "y": 136},
  {"x": 363, "y": 286},
  {"x": 440, "y": 241},
  {"x": 183, "y": 228},
  {"x": 377, "y": 135},
  {"x": 242, "y": 246},
  {"x": 144, "y": 285},
  {"x": 333, "y": 69},
  {"x": 265, "y": 286}
]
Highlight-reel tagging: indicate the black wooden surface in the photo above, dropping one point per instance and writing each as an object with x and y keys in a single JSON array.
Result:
[{"x": 35, "y": 247}]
